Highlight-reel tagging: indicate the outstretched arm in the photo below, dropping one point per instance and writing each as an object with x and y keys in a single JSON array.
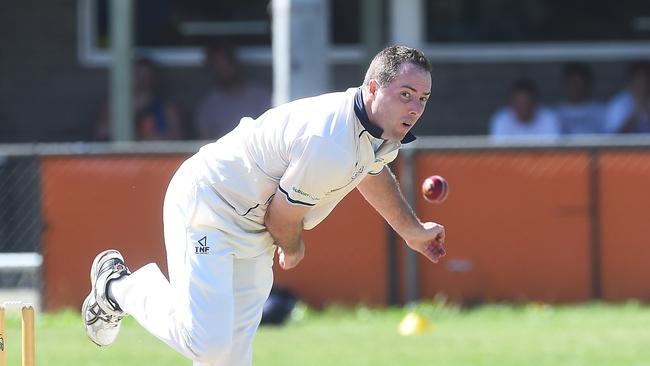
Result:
[{"x": 382, "y": 192}]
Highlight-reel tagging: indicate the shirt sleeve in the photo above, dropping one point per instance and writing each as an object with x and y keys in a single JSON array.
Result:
[
  {"x": 312, "y": 171},
  {"x": 617, "y": 112},
  {"x": 498, "y": 123}
]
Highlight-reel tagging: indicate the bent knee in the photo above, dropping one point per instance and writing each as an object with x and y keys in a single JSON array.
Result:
[{"x": 208, "y": 347}]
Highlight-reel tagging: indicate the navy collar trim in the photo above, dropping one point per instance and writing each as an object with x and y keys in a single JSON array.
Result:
[{"x": 374, "y": 130}]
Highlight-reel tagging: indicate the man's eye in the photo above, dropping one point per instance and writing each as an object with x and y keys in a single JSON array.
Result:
[
  {"x": 406, "y": 94},
  {"x": 424, "y": 99}
]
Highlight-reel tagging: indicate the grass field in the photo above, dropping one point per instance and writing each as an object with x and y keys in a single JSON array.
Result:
[{"x": 534, "y": 334}]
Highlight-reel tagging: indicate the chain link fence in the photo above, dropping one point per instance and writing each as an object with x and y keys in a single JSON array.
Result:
[
  {"x": 62, "y": 203},
  {"x": 20, "y": 228},
  {"x": 33, "y": 215}
]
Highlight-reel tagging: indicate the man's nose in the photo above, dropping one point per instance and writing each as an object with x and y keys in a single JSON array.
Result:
[{"x": 416, "y": 108}]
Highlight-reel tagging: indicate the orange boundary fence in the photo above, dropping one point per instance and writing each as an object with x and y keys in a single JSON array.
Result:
[{"x": 546, "y": 224}]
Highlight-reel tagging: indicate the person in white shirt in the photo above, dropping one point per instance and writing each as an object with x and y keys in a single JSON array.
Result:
[
  {"x": 238, "y": 201},
  {"x": 629, "y": 110},
  {"x": 580, "y": 114},
  {"x": 524, "y": 117}
]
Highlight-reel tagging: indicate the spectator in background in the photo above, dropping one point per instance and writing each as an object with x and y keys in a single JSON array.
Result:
[
  {"x": 524, "y": 116},
  {"x": 629, "y": 110},
  {"x": 155, "y": 117},
  {"x": 579, "y": 114},
  {"x": 231, "y": 98}
]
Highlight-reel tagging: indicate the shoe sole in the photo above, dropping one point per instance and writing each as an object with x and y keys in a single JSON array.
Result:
[{"x": 83, "y": 316}]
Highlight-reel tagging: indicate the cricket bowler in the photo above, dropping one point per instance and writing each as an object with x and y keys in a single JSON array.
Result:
[{"x": 240, "y": 200}]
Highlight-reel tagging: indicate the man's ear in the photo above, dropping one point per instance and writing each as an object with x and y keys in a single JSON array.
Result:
[{"x": 373, "y": 86}]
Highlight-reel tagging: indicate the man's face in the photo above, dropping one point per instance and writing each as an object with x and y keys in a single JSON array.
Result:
[
  {"x": 639, "y": 84},
  {"x": 223, "y": 68},
  {"x": 523, "y": 104},
  {"x": 576, "y": 88},
  {"x": 396, "y": 107},
  {"x": 143, "y": 77}
]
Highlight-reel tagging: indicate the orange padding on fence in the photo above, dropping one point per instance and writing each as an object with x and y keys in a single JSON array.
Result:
[
  {"x": 625, "y": 224},
  {"x": 93, "y": 203},
  {"x": 518, "y": 228}
]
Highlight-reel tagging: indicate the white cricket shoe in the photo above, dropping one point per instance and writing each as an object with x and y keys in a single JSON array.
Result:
[{"x": 102, "y": 317}]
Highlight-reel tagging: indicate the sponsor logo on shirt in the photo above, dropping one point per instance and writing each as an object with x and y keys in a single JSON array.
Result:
[{"x": 301, "y": 192}]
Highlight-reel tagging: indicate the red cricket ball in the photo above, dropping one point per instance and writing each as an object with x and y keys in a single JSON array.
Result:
[{"x": 435, "y": 189}]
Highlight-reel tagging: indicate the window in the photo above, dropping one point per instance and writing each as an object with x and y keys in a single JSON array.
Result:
[
  {"x": 174, "y": 31},
  {"x": 509, "y": 21},
  {"x": 537, "y": 30}
]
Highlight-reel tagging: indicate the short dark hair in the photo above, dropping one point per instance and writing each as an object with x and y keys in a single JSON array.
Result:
[
  {"x": 579, "y": 69},
  {"x": 387, "y": 63},
  {"x": 224, "y": 49},
  {"x": 524, "y": 85}
]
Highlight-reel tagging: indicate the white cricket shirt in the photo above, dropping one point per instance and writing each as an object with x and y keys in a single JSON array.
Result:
[{"x": 315, "y": 150}]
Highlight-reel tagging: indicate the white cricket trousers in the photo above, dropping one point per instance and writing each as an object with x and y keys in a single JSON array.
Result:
[{"x": 211, "y": 307}]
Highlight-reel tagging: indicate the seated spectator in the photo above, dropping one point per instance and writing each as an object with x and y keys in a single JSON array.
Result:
[
  {"x": 580, "y": 114},
  {"x": 155, "y": 117},
  {"x": 524, "y": 116},
  {"x": 231, "y": 98},
  {"x": 629, "y": 110}
]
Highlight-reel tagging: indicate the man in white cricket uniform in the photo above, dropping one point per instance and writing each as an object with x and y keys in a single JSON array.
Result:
[{"x": 236, "y": 202}]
